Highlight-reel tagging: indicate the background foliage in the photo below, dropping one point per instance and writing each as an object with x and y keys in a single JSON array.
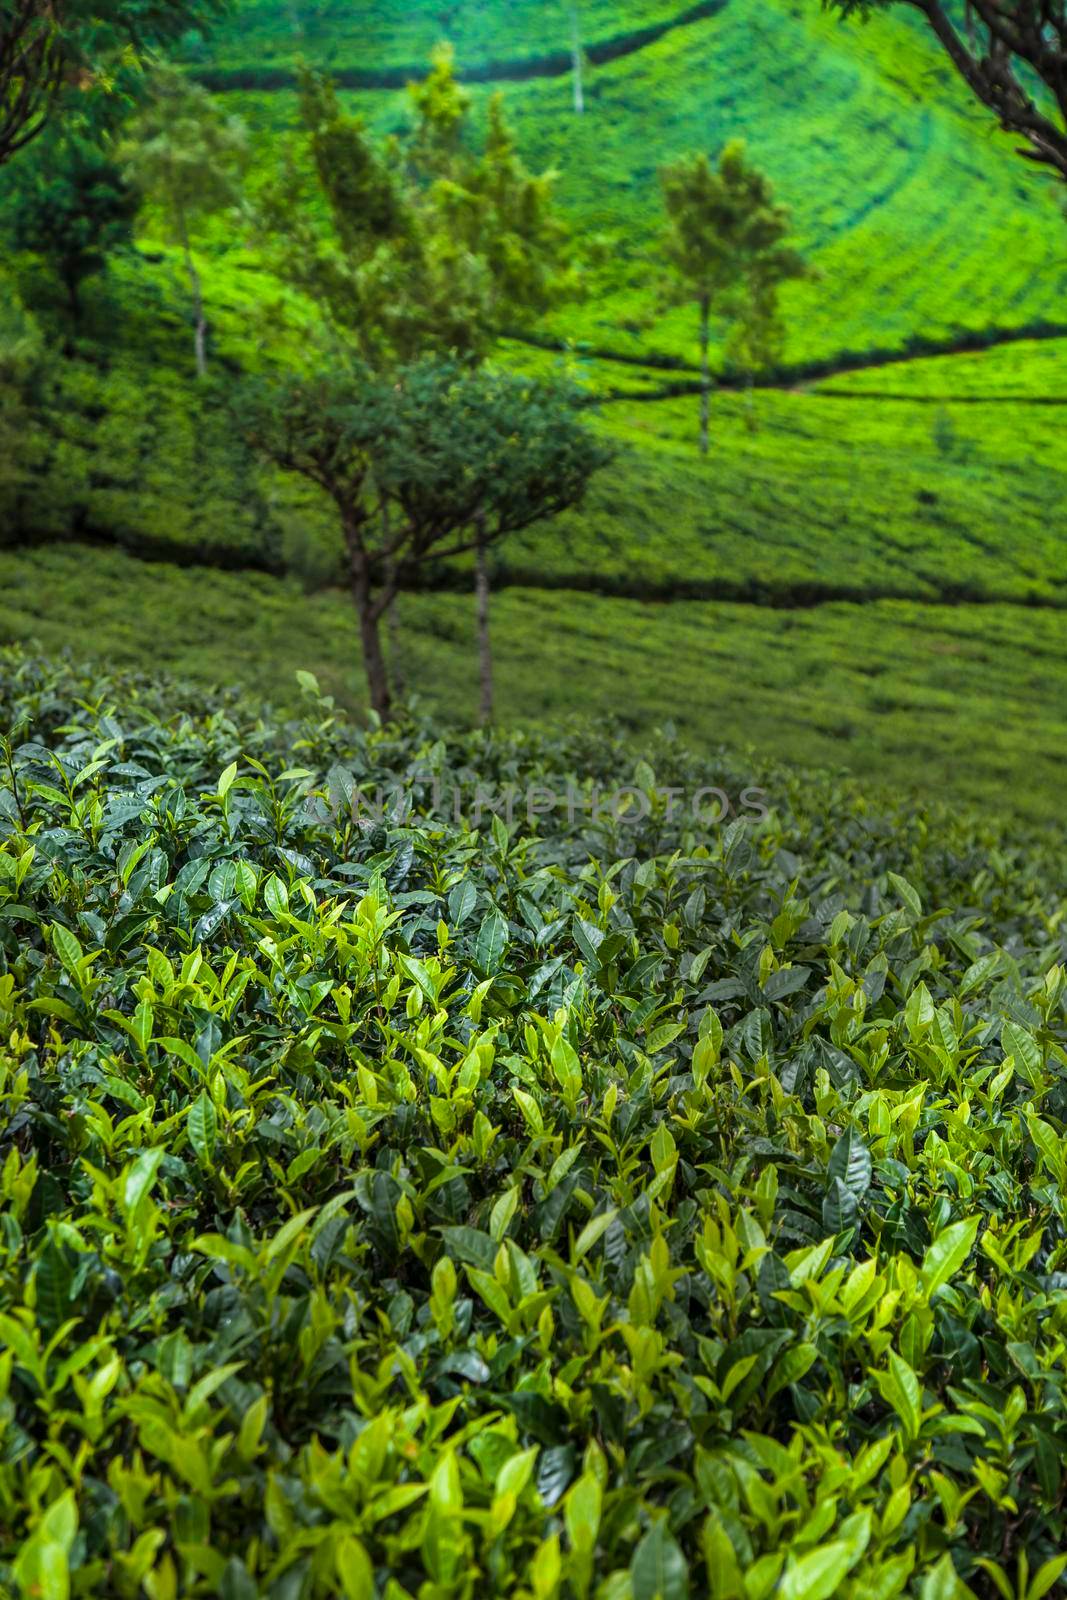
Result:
[{"x": 876, "y": 472}]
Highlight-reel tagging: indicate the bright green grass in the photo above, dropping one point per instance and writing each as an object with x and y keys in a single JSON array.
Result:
[
  {"x": 866, "y": 496},
  {"x": 965, "y": 701},
  {"x": 921, "y": 220}
]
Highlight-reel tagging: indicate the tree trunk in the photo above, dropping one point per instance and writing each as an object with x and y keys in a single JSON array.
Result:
[
  {"x": 705, "y": 375},
  {"x": 576, "y": 60},
  {"x": 392, "y": 626},
  {"x": 72, "y": 284},
  {"x": 750, "y": 404},
  {"x": 199, "y": 324},
  {"x": 374, "y": 663},
  {"x": 485, "y": 650},
  {"x": 369, "y": 635}
]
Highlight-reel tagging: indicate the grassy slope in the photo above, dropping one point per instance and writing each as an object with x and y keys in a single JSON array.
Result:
[
  {"x": 829, "y": 495},
  {"x": 847, "y": 493},
  {"x": 1031, "y": 369},
  {"x": 852, "y": 495},
  {"x": 886, "y": 166},
  {"x": 964, "y": 701}
]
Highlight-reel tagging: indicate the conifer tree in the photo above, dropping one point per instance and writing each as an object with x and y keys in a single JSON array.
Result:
[{"x": 727, "y": 249}]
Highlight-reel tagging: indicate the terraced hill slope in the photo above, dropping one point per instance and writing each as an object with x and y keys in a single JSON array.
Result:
[
  {"x": 873, "y": 575},
  {"x": 924, "y": 225}
]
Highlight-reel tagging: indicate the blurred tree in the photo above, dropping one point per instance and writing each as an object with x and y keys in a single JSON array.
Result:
[
  {"x": 442, "y": 446},
  {"x": 71, "y": 204},
  {"x": 420, "y": 244},
  {"x": 1011, "y": 54},
  {"x": 185, "y": 154},
  {"x": 23, "y": 363},
  {"x": 49, "y": 47},
  {"x": 726, "y": 247},
  {"x": 431, "y": 244}
]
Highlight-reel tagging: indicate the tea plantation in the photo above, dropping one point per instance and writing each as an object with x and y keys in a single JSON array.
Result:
[
  {"x": 616, "y": 1203},
  {"x": 924, "y": 225},
  {"x": 866, "y": 570}
]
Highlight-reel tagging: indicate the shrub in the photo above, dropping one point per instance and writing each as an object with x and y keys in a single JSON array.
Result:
[{"x": 392, "y": 1206}]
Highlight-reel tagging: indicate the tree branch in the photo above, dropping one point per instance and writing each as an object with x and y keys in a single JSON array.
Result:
[{"x": 992, "y": 80}]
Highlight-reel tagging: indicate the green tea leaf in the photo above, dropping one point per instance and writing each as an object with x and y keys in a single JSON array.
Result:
[
  {"x": 203, "y": 1127},
  {"x": 816, "y": 1575},
  {"x": 658, "y": 1570},
  {"x": 491, "y": 942},
  {"x": 850, "y": 1162},
  {"x": 948, "y": 1252}
]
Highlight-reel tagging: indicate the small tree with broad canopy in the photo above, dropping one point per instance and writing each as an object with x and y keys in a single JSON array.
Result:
[{"x": 421, "y": 466}]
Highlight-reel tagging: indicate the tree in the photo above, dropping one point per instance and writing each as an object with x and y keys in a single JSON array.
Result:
[
  {"x": 49, "y": 47},
  {"x": 726, "y": 247},
  {"x": 23, "y": 362},
  {"x": 1004, "y": 51},
  {"x": 514, "y": 227},
  {"x": 431, "y": 245},
  {"x": 188, "y": 156},
  {"x": 414, "y": 461},
  {"x": 422, "y": 244},
  {"x": 73, "y": 206}
]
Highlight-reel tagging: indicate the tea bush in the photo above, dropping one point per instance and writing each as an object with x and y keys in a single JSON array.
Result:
[{"x": 590, "y": 1206}]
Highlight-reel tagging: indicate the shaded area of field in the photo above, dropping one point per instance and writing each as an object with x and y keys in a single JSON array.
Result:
[{"x": 966, "y": 701}]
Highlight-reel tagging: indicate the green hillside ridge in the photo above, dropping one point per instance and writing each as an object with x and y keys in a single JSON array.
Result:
[
  {"x": 1025, "y": 369},
  {"x": 391, "y": 37},
  {"x": 836, "y": 494},
  {"x": 869, "y": 139}
]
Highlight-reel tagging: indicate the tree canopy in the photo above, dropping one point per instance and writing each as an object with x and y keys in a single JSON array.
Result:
[
  {"x": 49, "y": 47},
  {"x": 427, "y": 242},
  {"x": 423, "y": 464},
  {"x": 72, "y": 205},
  {"x": 727, "y": 247}
]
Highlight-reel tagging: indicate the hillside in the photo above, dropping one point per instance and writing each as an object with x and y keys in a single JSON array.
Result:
[
  {"x": 863, "y": 572},
  {"x": 866, "y": 134},
  {"x": 963, "y": 702}
]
